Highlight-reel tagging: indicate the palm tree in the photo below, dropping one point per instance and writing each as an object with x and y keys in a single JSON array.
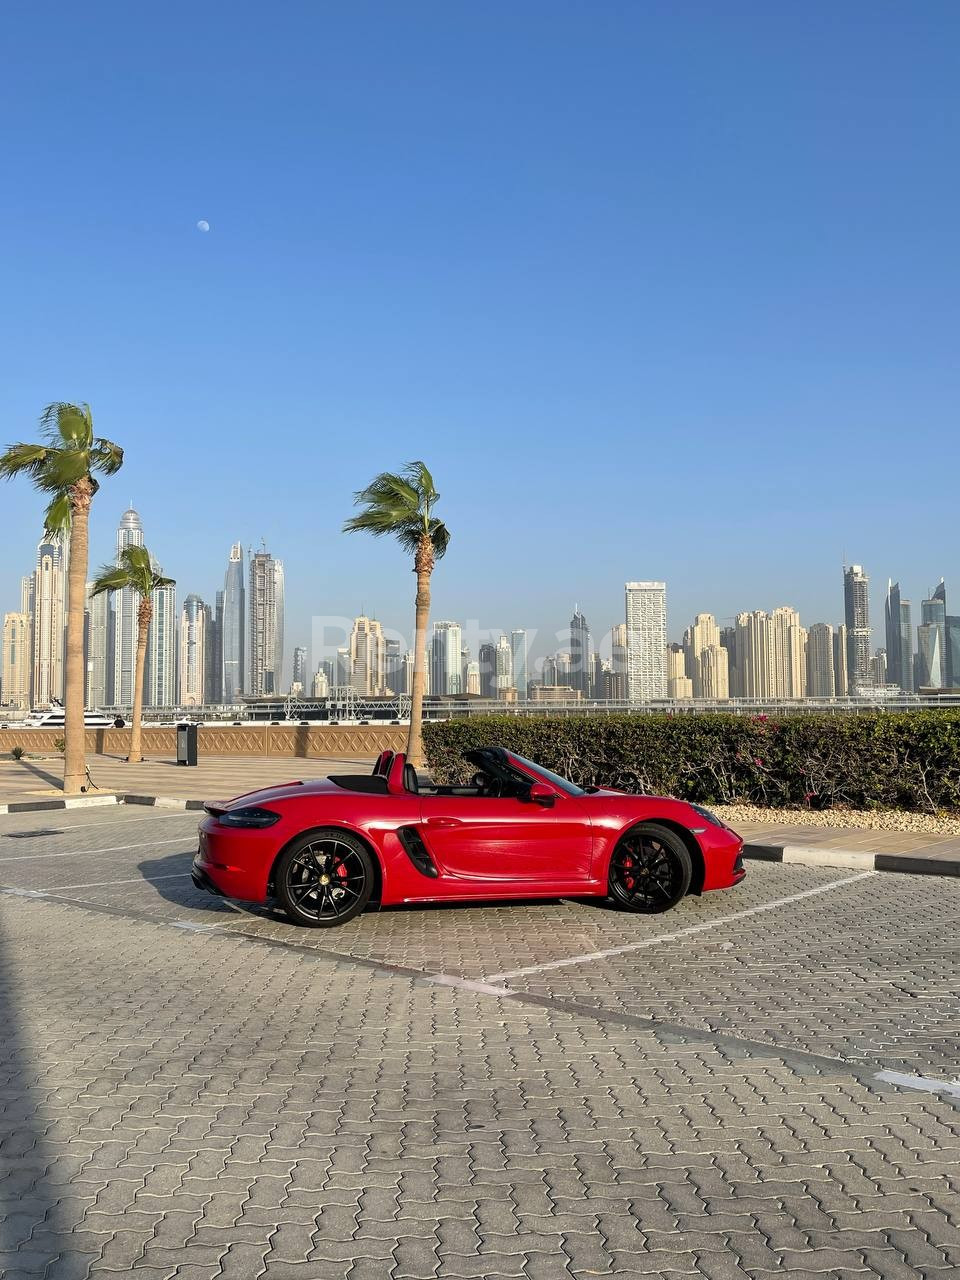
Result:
[
  {"x": 135, "y": 571},
  {"x": 402, "y": 506},
  {"x": 64, "y": 467}
]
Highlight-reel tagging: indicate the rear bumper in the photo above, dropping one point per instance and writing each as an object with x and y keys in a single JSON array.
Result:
[{"x": 201, "y": 879}]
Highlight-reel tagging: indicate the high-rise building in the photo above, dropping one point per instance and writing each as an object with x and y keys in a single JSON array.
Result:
[
  {"x": 49, "y": 619},
  {"x": 194, "y": 640},
  {"x": 788, "y": 654},
  {"x": 754, "y": 654},
  {"x": 856, "y": 600},
  {"x": 27, "y": 583},
  {"x": 706, "y": 663},
  {"x": 214, "y": 679},
  {"x": 99, "y": 648},
  {"x": 714, "y": 673},
  {"x": 899, "y": 646},
  {"x": 393, "y": 674},
  {"x": 233, "y": 628},
  {"x": 928, "y": 662},
  {"x": 488, "y": 670},
  {"x": 265, "y": 658},
  {"x": 675, "y": 660},
  {"x": 504, "y": 661},
  {"x": 821, "y": 680},
  {"x": 472, "y": 679},
  {"x": 646, "y": 610},
  {"x": 17, "y": 668},
  {"x": 878, "y": 668},
  {"x": 728, "y": 641},
  {"x": 160, "y": 675},
  {"x": 518, "y": 650},
  {"x": 952, "y": 651},
  {"x": 299, "y": 668},
  {"x": 617, "y": 688},
  {"x": 599, "y": 670},
  {"x": 126, "y": 606},
  {"x": 446, "y": 673},
  {"x": 933, "y": 612},
  {"x": 321, "y": 684},
  {"x": 580, "y": 654},
  {"x": 840, "y": 650},
  {"x": 368, "y": 657}
]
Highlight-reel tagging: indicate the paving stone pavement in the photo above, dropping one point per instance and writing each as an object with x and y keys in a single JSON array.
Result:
[{"x": 190, "y": 1089}]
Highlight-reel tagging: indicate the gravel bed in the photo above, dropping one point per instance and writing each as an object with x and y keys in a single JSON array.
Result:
[{"x": 863, "y": 819}]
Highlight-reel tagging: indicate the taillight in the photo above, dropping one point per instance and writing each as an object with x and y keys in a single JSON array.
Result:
[{"x": 251, "y": 816}]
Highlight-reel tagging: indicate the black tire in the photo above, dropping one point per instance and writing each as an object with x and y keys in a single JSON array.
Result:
[
  {"x": 324, "y": 878},
  {"x": 650, "y": 870}
]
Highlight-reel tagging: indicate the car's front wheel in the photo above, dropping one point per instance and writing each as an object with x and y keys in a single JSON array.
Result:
[
  {"x": 324, "y": 878},
  {"x": 650, "y": 870}
]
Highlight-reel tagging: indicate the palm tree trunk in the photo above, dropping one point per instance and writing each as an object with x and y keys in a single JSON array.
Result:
[
  {"x": 74, "y": 756},
  {"x": 144, "y": 613},
  {"x": 423, "y": 568}
]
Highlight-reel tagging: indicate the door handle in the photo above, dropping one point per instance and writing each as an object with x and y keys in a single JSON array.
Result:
[{"x": 442, "y": 822}]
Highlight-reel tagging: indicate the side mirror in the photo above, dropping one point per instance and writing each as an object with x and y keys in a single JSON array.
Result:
[{"x": 540, "y": 793}]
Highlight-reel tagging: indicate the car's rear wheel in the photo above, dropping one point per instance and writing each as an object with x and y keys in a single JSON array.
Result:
[
  {"x": 324, "y": 878},
  {"x": 650, "y": 870}
]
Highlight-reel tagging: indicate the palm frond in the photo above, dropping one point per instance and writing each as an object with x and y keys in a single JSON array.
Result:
[
  {"x": 112, "y": 577},
  {"x": 68, "y": 424},
  {"x": 440, "y": 537},
  {"x": 106, "y": 457},
  {"x": 421, "y": 479},
  {"x": 388, "y": 489},
  {"x": 23, "y": 458},
  {"x": 61, "y": 470},
  {"x": 410, "y": 536},
  {"x": 58, "y": 514},
  {"x": 378, "y": 521}
]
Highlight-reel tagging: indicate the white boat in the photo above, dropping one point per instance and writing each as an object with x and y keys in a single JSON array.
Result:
[{"x": 56, "y": 719}]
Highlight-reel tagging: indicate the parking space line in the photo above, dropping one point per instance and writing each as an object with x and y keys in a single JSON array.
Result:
[
  {"x": 113, "y": 822},
  {"x": 101, "y": 884},
  {"x": 89, "y": 853},
  {"x": 677, "y": 934}
]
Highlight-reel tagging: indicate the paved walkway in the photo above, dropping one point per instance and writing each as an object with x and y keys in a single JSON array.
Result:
[
  {"x": 221, "y": 777},
  {"x": 757, "y": 1085}
]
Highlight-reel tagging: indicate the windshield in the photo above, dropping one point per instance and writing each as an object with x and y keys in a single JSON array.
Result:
[{"x": 548, "y": 775}]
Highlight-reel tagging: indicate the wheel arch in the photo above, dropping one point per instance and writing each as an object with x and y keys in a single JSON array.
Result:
[
  {"x": 688, "y": 838},
  {"x": 334, "y": 826}
]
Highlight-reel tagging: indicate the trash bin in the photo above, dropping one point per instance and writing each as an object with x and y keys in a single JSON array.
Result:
[{"x": 186, "y": 744}]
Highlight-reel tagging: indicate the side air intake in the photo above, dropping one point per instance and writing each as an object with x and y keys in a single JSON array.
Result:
[{"x": 417, "y": 851}]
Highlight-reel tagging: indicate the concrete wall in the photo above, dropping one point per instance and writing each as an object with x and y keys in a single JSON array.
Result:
[{"x": 343, "y": 741}]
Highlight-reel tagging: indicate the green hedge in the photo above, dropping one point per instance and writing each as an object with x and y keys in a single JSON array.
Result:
[{"x": 871, "y": 760}]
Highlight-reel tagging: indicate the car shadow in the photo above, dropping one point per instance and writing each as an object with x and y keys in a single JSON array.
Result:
[{"x": 169, "y": 876}]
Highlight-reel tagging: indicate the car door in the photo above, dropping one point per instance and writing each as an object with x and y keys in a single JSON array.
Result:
[{"x": 504, "y": 838}]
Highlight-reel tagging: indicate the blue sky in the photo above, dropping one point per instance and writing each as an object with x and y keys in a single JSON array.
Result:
[{"x": 659, "y": 290}]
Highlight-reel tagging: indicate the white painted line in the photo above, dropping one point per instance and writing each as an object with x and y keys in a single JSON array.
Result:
[
  {"x": 192, "y": 926},
  {"x": 100, "y": 884},
  {"x": 465, "y": 984},
  {"x": 925, "y": 1084},
  {"x": 89, "y": 853},
  {"x": 113, "y": 822},
  {"x": 680, "y": 933},
  {"x": 813, "y": 856}
]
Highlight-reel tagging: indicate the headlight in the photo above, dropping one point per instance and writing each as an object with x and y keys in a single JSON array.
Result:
[
  {"x": 707, "y": 815},
  {"x": 248, "y": 817}
]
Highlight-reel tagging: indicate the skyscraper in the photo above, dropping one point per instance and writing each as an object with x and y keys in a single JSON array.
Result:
[
  {"x": 393, "y": 674},
  {"x": 788, "y": 654},
  {"x": 754, "y": 654},
  {"x": 446, "y": 673},
  {"x": 487, "y": 661},
  {"x": 266, "y": 624},
  {"x": 679, "y": 684},
  {"x": 618, "y": 662},
  {"x": 646, "y": 610},
  {"x": 194, "y": 639},
  {"x": 840, "y": 650},
  {"x": 126, "y": 604},
  {"x": 706, "y": 663},
  {"x": 99, "y": 647},
  {"x": 933, "y": 612},
  {"x": 214, "y": 681},
  {"x": 368, "y": 657},
  {"x": 49, "y": 618},
  {"x": 299, "y": 679},
  {"x": 899, "y": 646},
  {"x": 952, "y": 652},
  {"x": 233, "y": 638},
  {"x": 928, "y": 662},
  {"x": 518, "y": 649},
  {"x": 728, "y": 641},
  {"x": 504, "y": 660},
  {"x": 17, "y": 668},
  {"x": 821, "y": 681},
  {"x": 160, "y": 677},
  {"x": 856, "y": 600},
  {"x": 580, "y": 654}
]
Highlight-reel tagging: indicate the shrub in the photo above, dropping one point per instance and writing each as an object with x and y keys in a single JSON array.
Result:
[
  {"x": 869, "y": 760},
  {"x": 16, "y": 753},
  {"x": 60, "y": 744}
]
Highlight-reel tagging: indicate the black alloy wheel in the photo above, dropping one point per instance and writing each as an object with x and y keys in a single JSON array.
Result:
[
  {"x": 650, "y": 870},
  {"x": 324, "y": 878}
]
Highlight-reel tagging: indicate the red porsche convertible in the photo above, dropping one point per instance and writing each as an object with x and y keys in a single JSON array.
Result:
[{"x": 325, "y": 849}]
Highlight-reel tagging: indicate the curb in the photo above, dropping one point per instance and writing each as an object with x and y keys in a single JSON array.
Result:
[
  {"x": 797, "y": 854},
  {"x": 860, "y": 860},
  {"x": 96, "y": 802}
]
